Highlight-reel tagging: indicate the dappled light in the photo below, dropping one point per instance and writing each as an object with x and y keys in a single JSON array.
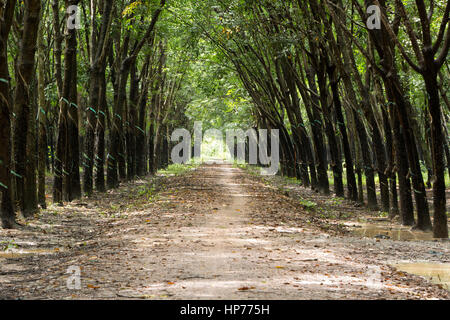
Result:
[{"x": 224, "y": 150}]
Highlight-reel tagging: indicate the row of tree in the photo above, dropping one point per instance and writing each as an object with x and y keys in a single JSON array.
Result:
[
  {"x": 93, "y": 85},
  {"x": 365, "y": 99}
]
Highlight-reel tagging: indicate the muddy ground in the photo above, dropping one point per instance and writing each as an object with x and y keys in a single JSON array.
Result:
[{"x": 216, "y": 232}]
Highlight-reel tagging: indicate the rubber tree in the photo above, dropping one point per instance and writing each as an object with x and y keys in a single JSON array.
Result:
[
  {"x": 7, "y": 209},
  {"x": 23, "y": 146},
  {"x": 430, "y": 57}
]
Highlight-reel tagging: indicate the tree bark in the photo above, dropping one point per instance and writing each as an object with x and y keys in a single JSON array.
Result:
[
  {"x": 22, "y": 107},
  {"x": 42, "y": 117},
  {"x": 8, "y": 216}
]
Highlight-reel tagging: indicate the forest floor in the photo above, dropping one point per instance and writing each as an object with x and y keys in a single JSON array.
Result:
[{"x": 213, "y": 232}]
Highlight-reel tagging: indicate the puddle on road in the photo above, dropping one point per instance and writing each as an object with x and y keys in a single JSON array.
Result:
[
  {"x": 393, "y": 233},
  {"x": 20, "y": 253},
  {"x": 438, "y": 273},
  {"x": 390, "y": 231}
]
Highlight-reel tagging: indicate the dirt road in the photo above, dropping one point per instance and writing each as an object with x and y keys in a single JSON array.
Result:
[{"x": 213, "y": 233}]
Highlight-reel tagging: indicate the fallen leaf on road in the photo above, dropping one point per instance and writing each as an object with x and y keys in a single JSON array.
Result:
[{"x": 246, "y": 288}]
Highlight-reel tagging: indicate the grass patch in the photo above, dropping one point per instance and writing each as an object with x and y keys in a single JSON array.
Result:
[
  {"x": 148, "y": 192},
  {"x": 251, "y": 169},
  {"x": 308, "y": 205},
  {"x": 337, "y": 201},
  {"x": 292, "y": 180},
  {"x": 9, "y": 244},
  {"x": 177, "y": 169}
]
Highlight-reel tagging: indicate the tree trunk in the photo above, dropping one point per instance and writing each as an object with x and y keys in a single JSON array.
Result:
[
  {"x": 100, "y": 133},
  {"x": 131, "y": 125},
  {"x": 42, "y": 116},
  {"x": 91, "y": 126},
  {"x": 151, "y": 145},
  {"x": 316, "y": 125},
  {"x": 22, "y": 106},
  {"x": 141, "y": 166},
  {"x": 67, "y": 175},
  {"x": 367, "y": 162},
  {"x": 7, "y": 213},
  {"x": 401, "y": 163},
  {"x": 440, "y": 229}
]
